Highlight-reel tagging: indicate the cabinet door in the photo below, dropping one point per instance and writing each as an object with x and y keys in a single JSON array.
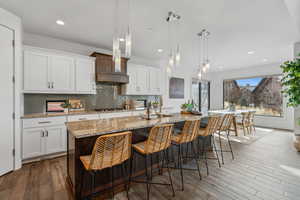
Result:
[
  {"x": 142, "y": 80},
  {"x": 32, "y": 142},
  {"x": 55, "y": 140},
  {"x": 36, "y": 66},
  {"x": 62, "y": 74},
  {"x": 132, "y": 85},
  {"x": 154, "y": 81},
  {"x": 85, "y": 76}
]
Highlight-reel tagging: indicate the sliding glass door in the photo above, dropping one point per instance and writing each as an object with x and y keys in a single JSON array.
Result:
[{"x": 201, "y": 94}]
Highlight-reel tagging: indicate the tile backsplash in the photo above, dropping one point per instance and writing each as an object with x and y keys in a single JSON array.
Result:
[{"x": 107, "y": 97}]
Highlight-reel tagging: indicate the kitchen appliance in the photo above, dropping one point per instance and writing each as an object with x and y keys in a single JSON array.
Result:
[
  {"x": 140, "y": 104},
  {"x": 55, "y": 105},
  {"x": 105, "y": 69}
]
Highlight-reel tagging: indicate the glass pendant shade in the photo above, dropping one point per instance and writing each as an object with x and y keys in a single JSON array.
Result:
[
  {"x": 116, "y": 47},
  {"x": 171, "y": 61},
  {"x": 117, "y": 61},
  {"x": 177, "y": 56},
  {"x": 128, "y": 43}
]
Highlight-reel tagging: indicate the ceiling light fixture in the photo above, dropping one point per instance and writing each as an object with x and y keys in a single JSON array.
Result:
[
  {"x": 174, "y": 55},
  {"x": 204, "y": 62},
  {"x": 117, "y": 37},
  {"x": 60, "y": 22},
  {"x": 160, "y": 50},
  {"x": 265, "y": 60},
  {"x": 251, "y": 52}
]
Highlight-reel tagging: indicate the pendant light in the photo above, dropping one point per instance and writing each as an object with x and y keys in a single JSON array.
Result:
[
  {"x": 174, "y": 55},
  {"x": 128, "y": 41},
  {"x": 204, "y": 62},
  {"x": 116, "y": 39}
]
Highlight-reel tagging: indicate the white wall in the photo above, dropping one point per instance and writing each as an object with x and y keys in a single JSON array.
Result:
[
  {"x": 13, "y": 22},
  {"x": 297, "y": 49},
  {"x": 216, "y": 95}
]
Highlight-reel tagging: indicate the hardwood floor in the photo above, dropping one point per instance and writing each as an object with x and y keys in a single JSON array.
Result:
[{"x": 267, "y": 168}]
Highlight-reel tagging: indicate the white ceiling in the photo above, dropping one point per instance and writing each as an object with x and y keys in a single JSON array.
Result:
[{"x": 237, "y": 26}]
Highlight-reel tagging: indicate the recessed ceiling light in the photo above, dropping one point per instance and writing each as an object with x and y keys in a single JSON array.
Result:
[
  {"x": 265, "y": 60},
  {"x": 60, "y": 22},
  {"x": 250, "y": 52},
  {"x": 160, "y": 50},
  {"x": 122, "y": 39}
]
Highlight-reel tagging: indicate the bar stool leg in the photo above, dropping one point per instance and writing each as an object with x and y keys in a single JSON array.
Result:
[
  {"x": 92, "y": 184},
  {"x": 195, "y": 158},
  {"x": 151, "y": 163},
  {"x": 229, "y": 143},
  {"x": 147, "y": 176},
  {"x": 130, "y": 169},
  {"x": 220, "y": 141},
  {"x": 180, "y": 166},
  {"x": 215, "y": 149},
  {"x": 205, "y": 155},
  {"x": 125, "y": 174},
  {"x": 168, "y": 169},
  {"x": 112, "y": 182}
]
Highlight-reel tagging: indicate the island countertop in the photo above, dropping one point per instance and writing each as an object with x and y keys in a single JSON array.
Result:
[{"x": 90, "y": 128}]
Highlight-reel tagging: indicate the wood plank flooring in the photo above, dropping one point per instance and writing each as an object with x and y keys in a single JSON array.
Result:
[{"x": 268, "y": 168}]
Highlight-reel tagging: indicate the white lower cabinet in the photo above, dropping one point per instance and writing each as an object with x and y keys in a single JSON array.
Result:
[
  {"x": 40, "y": 140},
  {"x": 55, "y": 139},
  {"x": 32, "y": 142}
]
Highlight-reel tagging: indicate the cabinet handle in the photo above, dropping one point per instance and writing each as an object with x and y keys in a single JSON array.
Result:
[
  {"x": 45, "y": 122},
  {"x": 46, "y": 133},
  {"x": 49, "y": 86},
  {"x": 52, "y": 85},
  {"x": 43, "y": 133},
  {"x": 82, "y": 118}
]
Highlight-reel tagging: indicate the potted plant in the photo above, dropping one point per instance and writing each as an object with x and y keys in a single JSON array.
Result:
[
  {"x": 291, "y": 84},
  {"x": 66, "y": 106}
]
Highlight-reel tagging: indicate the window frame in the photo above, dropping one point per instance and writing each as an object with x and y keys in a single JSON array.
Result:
[{"x": 258, "y": 76}]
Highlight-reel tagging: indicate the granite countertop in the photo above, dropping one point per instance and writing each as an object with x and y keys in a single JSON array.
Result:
[
  {"x": 90, "y": 128},
  {"x": 58, "y": 114}
]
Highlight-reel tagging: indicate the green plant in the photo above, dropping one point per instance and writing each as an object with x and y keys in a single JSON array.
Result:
[
  {"x": 66, "y": 105},
  {"x": 291, "y": 81}
]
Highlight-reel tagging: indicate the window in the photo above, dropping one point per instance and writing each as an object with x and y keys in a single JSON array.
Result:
[{"x": 262, "y": 94}]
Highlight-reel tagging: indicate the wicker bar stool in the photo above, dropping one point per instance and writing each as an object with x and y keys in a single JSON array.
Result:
[
  {"x": 109, "y": 151},
  {"x": 187, "y": 136},
  {"x": 211, "y": 128},
  {"x": 159, "y": 140},
  {"x": 225, "y": 125}
]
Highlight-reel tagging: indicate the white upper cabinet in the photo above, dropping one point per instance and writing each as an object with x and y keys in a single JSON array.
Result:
[
  {"x": 54, "y": 72},
  {"x": 62, "y": 73},
  {"x": 155, "y": 81},
  {"x": 142, "y": 83},
  {"x": 85, "y": 76},
  {"x": 143, "y": 80},
  {"x": 36, "y": 76}
]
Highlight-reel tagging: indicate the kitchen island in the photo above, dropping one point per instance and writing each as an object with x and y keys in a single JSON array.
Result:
[{"x": 82, "y": 136}]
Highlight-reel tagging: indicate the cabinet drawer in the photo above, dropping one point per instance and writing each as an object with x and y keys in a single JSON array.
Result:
[
  {"x": 82, "y": 117},
  {"x": 113, "y": 115},
  {"x": 41, "y": 122}
]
